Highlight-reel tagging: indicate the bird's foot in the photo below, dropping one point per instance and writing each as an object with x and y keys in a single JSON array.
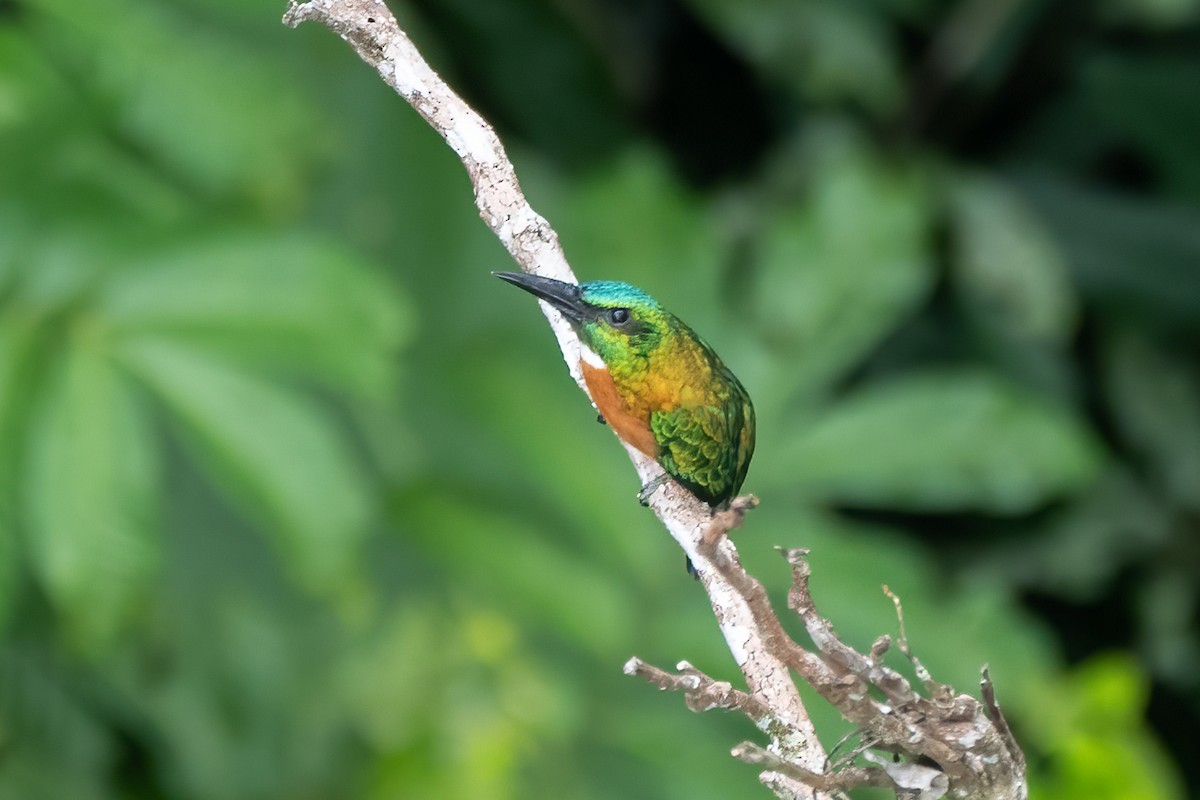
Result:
[
  {"x": 731, "y": 514},
  {"x": 651, "y": 487}
]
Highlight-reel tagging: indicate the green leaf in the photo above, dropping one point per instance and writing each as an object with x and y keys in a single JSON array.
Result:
[
  {"x": 1112, "y": 523},
  {"x": 25, "y": 775},
  {"x": 247, "y": 701},
  {"x": 1104, "y": 232},
  {"x": 14, "y": 350},
  {"x": 377, "y": 674},
  {"x": 1149, "y": 15},
  {"x": 15, "y": 391},
  {"x": 840, "y": 270},
  {"x": 1157, "y": 402},
  {"x": 542, "y": 73},
  {"x": 9, "y": 565},
  {"x": 10, "y": 245},
  {"x": 523, "y": 566},
  {"x": 34, "y": 100},
  {"x": 1147, "y": 101},
  {"x": 1008, "y": 266},
  {"x": 90, "y": 490},
  {"x": 272, "y": 449},
  {"x": 1092, "y": 726},
  {"x": 55, "y": 265},
  {"x": 641, "y": 223},
  {"x": 288, "y": 301},
  {"x": 52, "y": 147},
  {"x": 828, "y": 50},
  {"x": 53, "y": 746},
  {"x": 192, "y": 98},
  {"x": 944, "y": 442}
]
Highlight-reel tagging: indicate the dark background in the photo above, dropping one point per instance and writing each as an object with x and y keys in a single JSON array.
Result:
[{"x": 296, "y": 501}]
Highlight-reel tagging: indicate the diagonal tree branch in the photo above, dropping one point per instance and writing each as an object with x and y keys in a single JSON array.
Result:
[
  {"x": 951, "y": 743},
  {"x": 369, "y": 27}
]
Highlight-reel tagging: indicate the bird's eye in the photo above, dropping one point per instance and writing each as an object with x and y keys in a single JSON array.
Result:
[{"x": 618, "y": 316}]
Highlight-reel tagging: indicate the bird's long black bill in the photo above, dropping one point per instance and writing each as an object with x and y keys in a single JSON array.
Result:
[{"x": 563, "y": 296}]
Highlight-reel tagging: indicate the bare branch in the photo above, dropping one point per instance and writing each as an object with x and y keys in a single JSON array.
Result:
[
  {"x": 948, "y": 741},
  {"x": 702, "y": 692},
  {"x": 869, "y": 669},
  {"x": 369, "y": 27},
  {"x": 944, "y": 739},
  {"x": 850, "y": 778},
  {"x": 992, "y": 708},
  {"x": 935, "y": 689}
]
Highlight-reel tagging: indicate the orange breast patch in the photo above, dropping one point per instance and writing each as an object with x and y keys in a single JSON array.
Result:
[{"x": 629, "y": 427}]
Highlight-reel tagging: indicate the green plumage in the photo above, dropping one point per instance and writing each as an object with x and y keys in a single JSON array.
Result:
[
  {"x": 668, "y": 384},
  {"x": 707, "y": 448}
]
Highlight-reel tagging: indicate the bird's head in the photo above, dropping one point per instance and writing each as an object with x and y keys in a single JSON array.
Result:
[{"x": 616, "y": 320}]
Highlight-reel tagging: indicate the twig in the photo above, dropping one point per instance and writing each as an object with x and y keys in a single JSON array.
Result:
[
  {"x": 369, "y": 27},
  {"x": 939, "y": 691},
  {"x": 994, "y": 713},
  {"x": 869, "y": 669},
  {"x": 702, "y": 692},
  {"x": 844, "y": 780}
]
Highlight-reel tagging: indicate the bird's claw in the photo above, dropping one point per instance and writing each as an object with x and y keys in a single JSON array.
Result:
[{"x": 650, "y": 488}]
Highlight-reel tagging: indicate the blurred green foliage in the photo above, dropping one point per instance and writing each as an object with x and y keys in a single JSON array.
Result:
[{"x": 295, "y": 501}]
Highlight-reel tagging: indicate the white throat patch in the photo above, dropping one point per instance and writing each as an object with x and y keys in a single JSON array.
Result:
[{"x": 589, "y": 357}]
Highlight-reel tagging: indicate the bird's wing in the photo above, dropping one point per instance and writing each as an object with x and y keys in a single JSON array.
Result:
[
  {"x": 746, "y": 437},
  {"x": 702, "y": 447}
]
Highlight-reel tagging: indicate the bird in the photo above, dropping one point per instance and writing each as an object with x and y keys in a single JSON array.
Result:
[{"x": 657, "y": 384}]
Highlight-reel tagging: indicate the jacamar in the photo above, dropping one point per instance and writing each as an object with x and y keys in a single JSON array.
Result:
[{"x": 657, "y": 384}]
